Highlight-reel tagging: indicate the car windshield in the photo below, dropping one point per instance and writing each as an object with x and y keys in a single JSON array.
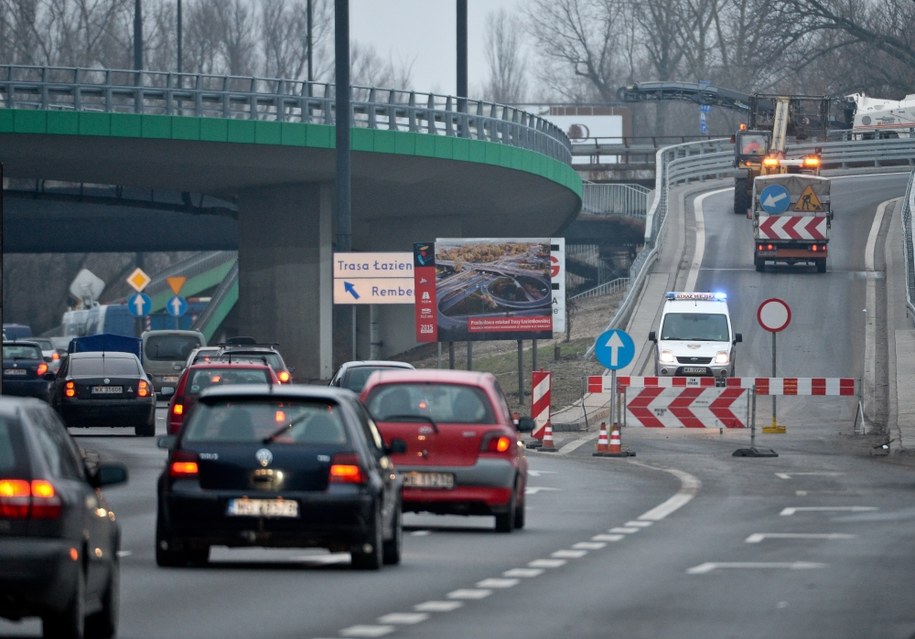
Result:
[
  {"x": 271, "y": 358},
  {"x": 250, "y": 421},
  {"x": 707, "y": 327},
  {"x": 355, "y": 378},
  {"x": 113, "y": 366},
  {"x": 21, "y": 351},
  {"x": 198, "y": 380},
  {"x": 442, "y": 403},
  {"x": 167, "y": 348}
]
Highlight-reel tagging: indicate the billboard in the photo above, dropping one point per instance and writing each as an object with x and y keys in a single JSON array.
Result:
[{"x": 487, "y": 289}]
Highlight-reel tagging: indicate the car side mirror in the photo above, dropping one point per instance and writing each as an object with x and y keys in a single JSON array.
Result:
[
  {"x": 166, "y": 441},
  {"x": 108, "y": 474},
  {"x": 652, "y": 336},
  {"x": 525, "y": 424},
  {"x": 738, "y": 337},
  {"x": 50, "y": 377},
  {"x": 396, "y": 447}
]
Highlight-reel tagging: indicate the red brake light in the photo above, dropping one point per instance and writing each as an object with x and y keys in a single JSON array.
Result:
[
  {"x": 496, "y": 443},
  {"x": 345, "y": 469},
  {"x": 70, "y": 389},
  {"x": 20, "y": 499},
  {"x": 183, "y": 465},
  {"x": 143, "y": 389},
  {"x": 177, "y": 409},
  {"x": 42, "y": 369},
  {"x": 284, "y": 377},
  {"x": 55, "y": 356}
]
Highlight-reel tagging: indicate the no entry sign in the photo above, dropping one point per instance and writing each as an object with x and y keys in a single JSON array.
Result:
[{"x": 773, "y": 315}]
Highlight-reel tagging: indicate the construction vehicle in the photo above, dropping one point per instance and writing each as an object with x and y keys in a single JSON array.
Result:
[
  {"x": 792, "y": 218},
  {"x": 876, "y": 118}
]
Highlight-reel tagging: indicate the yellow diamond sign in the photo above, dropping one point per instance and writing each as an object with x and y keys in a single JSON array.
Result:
[{"x": 138, "y": 279}]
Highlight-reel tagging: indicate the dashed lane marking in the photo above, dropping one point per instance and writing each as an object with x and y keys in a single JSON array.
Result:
[{"x": 787, "y": 512}]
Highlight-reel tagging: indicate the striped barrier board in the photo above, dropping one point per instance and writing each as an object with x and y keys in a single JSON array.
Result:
[
  {"x": 814, "y": 386},
  {"x": 540, "y": 402},
  {"x": 689, "y": 407},
  {"x": 793, "y": 227}
]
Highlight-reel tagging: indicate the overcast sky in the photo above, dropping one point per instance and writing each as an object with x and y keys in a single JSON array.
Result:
[{"x": 422, "y": 33}]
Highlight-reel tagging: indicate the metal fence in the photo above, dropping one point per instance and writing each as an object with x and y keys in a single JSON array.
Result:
[{"x": 274, "y": 99}]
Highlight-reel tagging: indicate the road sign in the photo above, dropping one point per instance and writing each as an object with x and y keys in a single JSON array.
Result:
[
  {"x": 373, "y": 278},
  {"x": 614, "y": 349},
  {"x": 775, "y": 199},
  {"x": 175, "y": 282},
  {"x": 138, "y": 279},
  {"x": 176, "y": 306},
  {"x": 774, "y": 315},
  {"x": 140, "y": 304}
]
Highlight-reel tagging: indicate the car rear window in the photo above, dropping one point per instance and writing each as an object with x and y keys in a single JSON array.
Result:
[
  {"x": 21, "y": 351},
  {"x": 12, "y": 456},
  {"x": 447, "y": 403},
  {"x": 198, "y": 380},
  {"x": 105, "y": 366},
  {"x": 272, "y": 359},
  {"x": 315, "y": 423},
  {"x": 169, "y": 348}
]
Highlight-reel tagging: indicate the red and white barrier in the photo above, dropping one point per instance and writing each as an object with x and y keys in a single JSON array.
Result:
[
  {"x": 793, "y": 227},
  {"x": 826, "y": 386},
  {"x": 695, "y": 407},
  {"x": 540, "y": 402}
]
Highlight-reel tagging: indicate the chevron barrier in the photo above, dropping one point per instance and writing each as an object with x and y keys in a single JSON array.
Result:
[
  {"x": 540, "y": 402},
  {"x": 793, "y": 227}
]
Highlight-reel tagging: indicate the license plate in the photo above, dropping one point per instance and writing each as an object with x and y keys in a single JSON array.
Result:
[
  {"x": 693, "y": 370},
  {"x": 170, "y": 379},
  {"x": 428, "y": 480},
  {"x": 14, "y": 371},
  {"x": 107, "y": 390},
  {"x": 244, "y": 507}
]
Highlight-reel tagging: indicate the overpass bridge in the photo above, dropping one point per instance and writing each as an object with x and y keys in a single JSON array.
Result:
[{"x": 423, "y": 166}]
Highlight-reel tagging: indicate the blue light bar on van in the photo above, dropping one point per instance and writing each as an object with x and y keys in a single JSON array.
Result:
[{"x": 696, "y": 296}]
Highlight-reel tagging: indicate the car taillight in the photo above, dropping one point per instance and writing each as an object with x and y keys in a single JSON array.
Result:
[
  {"x": 183, "y": 465},
  {"x": 42, "y": 369},
  {"x": 345, "y": 469},
  {"x": 143, "y": 389},
  {"x": 22, "y": 499},
  {"x": 70, "y": 389},
  {"x": 177, "y": 409},
  {"x": 284, "y": 377},
  {"x": 55, "y": 356},
  {"x": 496, "y": 443}
]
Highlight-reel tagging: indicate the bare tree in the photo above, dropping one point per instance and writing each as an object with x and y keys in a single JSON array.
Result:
[{"x": 505, "y": 59}]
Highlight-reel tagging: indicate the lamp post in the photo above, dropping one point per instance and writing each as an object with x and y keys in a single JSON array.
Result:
[
  {"x": 180, "y": 68},
  {"x": 138, "y": 35}
]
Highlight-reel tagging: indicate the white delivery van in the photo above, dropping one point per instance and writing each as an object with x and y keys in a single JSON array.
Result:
[
  {"x": 165, "y": 355},
  {"x": 695, "y": 336}
]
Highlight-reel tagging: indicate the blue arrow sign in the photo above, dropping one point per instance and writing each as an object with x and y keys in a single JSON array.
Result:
[
  {"x": 614, "y": 349},
  {"x": 176, "y": 306},
  {"x": 140, "y": 304},
  {"x": 351, "y": 289},
  {"x": 774, "y": 199}
]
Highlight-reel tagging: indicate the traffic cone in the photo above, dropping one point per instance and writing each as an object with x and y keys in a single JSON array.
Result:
[
  {"x": 602, "y": 443},
  {"x": 548, "y": 439},
  {"x": 616, "y": 446}
]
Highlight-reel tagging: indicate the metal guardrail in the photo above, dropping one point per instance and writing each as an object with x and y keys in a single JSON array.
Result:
[
  {"x": 275, "y": 99},
  {"x": 615, "y": 199}
]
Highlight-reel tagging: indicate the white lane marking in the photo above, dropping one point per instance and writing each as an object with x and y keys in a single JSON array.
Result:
[
  {"x": 438, "y": 606},
  {"x": 699, "y": 250},
  {"x": 569, "y": 554},
  {"x": 787, "y": 512},
  {"x": 367, "y": 631},
  {"x": 869, "y": 393},
  {"x": 608, "y": 537},
  {"x": 626, "y": 530},
  {"x": 547, "y": 563},
  {"x": 756, "y": 538},
  {"x": 533, "y": 490},
  {"x": 403, "y": 618},
  {"x": 469, "y": 593},
  {"x": 708, "y": 567},
  {"x": 820, "y": 474},
  {"x": 538, "y": 473},
  {"x": 574, "y": 444},
  {"x": 638, "y": 524},
  {"x": 420, "y": 533},
  {"x": 497, "y": 583},
  {"x": 523, "y": 572},
  {"x": 589, "y": 545},
  {"x": 689, "y": 488},
  {"x": 125, "y": 553}
]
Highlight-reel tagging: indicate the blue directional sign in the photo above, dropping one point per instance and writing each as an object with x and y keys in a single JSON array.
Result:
[
  {"x": 140, "y": 304},
  {"x": 614, "y": 349},
  {"x": 774, "y": 199},
  {"x": 176, "y": 306}
]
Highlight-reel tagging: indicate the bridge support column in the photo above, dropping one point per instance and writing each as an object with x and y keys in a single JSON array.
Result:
[{"x": 285, "y": 292}]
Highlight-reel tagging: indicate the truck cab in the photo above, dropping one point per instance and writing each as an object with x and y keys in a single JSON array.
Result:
[{"x": 695, "y": 336}]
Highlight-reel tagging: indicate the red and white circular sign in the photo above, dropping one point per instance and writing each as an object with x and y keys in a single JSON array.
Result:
[{"x": 773, "y": 315}]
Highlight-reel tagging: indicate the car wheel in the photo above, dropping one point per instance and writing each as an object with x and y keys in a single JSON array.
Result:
[
  {"x": 505, "y": 522},
  {"x": 166, "y": 555},
  {"x": 519, "y": 513},
  {"x": 197, "y": 555},
  {"x": 370, "y": 555},
  {"x": 104, "y": 623},
  {"x": 392, "y": 547},
  {"x": 146, "y": 430},
  {"x": 70, "y": 622}
]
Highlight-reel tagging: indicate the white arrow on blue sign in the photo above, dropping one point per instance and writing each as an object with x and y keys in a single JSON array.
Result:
[
  {"x": 614, "y": 349},
  {"x": 140, "y": 304},
  {"x": 774, "y": 199},
  {"x": 176, "y": 306}
]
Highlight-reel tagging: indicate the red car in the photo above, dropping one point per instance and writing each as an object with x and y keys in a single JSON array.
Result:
[
  {"x": 198, "y": 377},
  {"x": 464, "y": 453}
]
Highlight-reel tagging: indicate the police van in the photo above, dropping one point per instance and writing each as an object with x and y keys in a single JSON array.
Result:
[{"x": 695, "y": 337}]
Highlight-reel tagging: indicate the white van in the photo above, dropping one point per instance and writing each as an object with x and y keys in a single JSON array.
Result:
[
  {"x": 165, "y": 354},
  {"x": 695, "y": 337}
]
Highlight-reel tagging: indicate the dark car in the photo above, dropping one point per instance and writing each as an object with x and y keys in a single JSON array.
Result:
[
  {"x": 25, "y": 371},
  {"x": 464, "y": 453},
  {"x": 59, "y": 540},
  {"x": 247, "y": 350},
  {"x": 105, "y": 388},
  {"x": 196, "y": 378},
  {"x": 353, "y": 375},
  {"x": 279, "y": 466}
]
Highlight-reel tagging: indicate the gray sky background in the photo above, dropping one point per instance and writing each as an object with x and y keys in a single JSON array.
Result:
[{"x": 422, "y": 33}]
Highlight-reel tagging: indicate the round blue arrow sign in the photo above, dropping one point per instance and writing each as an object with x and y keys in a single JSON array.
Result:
[
  {"x": 140, "y": 304},
  {"x": 176, "y": 306},
  {"x": 614, "y": 349},
  {"x": 774, "y": 199}
]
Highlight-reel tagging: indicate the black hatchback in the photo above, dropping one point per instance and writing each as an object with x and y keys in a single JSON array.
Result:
[
  {"x": 279, "y": 466},
  {"x": 25, "y": 372},
  {"x": 58, "y": 538}
]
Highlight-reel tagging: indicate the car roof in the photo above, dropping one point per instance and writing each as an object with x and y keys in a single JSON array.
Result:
[
  {"x": 220, "y": 364},
  {"x": 10, "y": 405},
  {"x": 281, "y": 391},
  {"x": 430, "y": 375},
  {"x": 387, "y": 363},
  {"x": 100, "y": 354}
]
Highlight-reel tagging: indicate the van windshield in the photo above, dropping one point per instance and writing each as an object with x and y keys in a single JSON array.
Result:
[
  {"x": 170, "y": 348},
  {"x": 705, "y": 327}
]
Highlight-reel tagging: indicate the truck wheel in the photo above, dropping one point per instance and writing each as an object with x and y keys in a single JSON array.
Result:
[
  {"x": 741, "y": 196},
  {"x": 821, "y": 266},
  {"x": 759, "y": 263}
]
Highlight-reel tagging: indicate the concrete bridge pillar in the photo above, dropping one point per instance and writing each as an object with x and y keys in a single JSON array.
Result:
[{"x": 285, "y": 289}]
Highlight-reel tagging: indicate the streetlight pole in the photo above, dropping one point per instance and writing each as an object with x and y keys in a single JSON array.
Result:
[
  {"x": 180, "y": 68},
  {"x": 138, "y": 35}
]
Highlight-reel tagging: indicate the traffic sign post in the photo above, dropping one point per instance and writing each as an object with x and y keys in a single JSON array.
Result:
[
  {"x": 614, "y": 349},
  {"x": 774, "y": 315}
]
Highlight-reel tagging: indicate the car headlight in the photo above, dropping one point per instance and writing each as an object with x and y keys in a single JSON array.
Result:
[
  {"x": 666, "y": 357},
  {"x": 722, "y": 357}
]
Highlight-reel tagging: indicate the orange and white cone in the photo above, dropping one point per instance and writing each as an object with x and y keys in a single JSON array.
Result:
[
  {"x": 616, "y": 446},
  {"x": 548, "y": 438},
  {"x": 603, "y": 444}
]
